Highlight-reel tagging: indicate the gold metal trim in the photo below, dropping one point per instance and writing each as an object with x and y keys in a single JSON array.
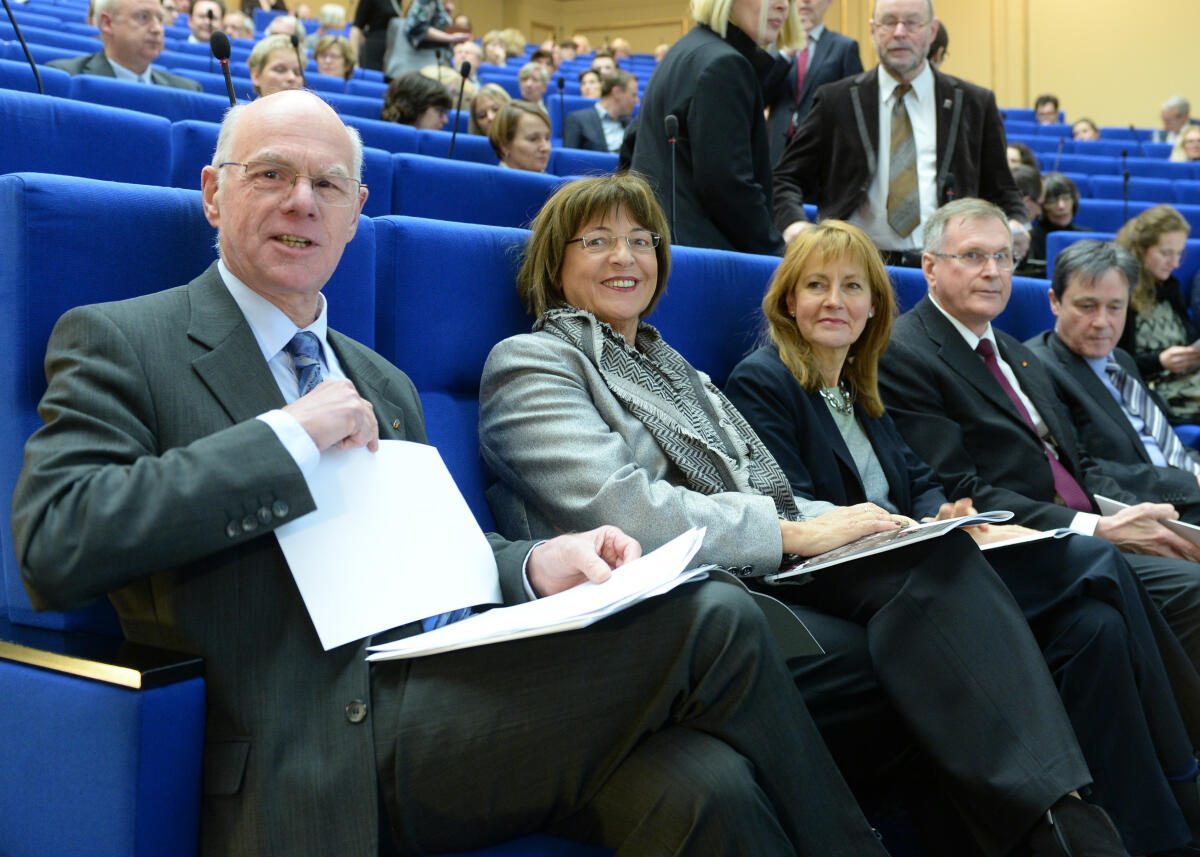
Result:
[{"x": 72, "y": 665}]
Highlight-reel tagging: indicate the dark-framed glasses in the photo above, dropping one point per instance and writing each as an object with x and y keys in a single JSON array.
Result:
[
  {"x": 639, "y": 241},
  {"x": 270, "y": 178},
  {"x": 889, "y": 24},
  {"x": 974, "y": 260}
]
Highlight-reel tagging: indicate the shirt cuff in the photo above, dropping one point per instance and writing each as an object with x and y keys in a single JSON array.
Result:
[
  {"x": 1084, "y": 523},
  {"x": 533, "y": 596},
  {"x": 295, "y": 440}
]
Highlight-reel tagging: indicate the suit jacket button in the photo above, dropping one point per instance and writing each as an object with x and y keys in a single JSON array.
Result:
[
  {"x": 264, "y": 515},
  {"x": 280, "y": 509},
  {"x": 233, "y": 530},
  {"x": 356, "y": 711},
  {"x": 249, "y": 524}
]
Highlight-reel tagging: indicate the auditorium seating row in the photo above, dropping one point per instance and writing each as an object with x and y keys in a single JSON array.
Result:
[
  {"x": 1112, "y": 148},
  {"x": 1173, "y": 191},
  {"x": 1113, "y": 165},
  {"x": 129, "y": 756}
]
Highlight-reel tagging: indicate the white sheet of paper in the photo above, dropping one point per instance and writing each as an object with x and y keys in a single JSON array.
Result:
[
  {"x": 392, "y": 540},
  {"x": 653, "y": 574}
]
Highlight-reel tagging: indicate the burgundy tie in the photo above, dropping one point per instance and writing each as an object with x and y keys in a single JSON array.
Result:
[
  {"x": 801, "y": 71},
  {"x": 1065, "y": 485}
]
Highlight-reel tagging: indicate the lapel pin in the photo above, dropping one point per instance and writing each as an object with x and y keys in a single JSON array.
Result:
[
  {"x": 1024, "y": 365},
  {"x": 946, "y": 104},
  {"x": 396, "y": 424}
]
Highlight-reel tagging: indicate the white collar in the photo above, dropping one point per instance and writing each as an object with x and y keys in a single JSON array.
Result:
[
  {"x": 922, "y": 85},
  {"x": 271, "y": 327},
  {"x": 972, "y": 338}
]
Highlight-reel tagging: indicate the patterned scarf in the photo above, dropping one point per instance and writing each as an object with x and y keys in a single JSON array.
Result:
[{"x": 661, "y": 389}]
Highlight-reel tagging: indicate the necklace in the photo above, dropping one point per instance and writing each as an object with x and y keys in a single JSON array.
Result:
[{"x": 838, "y": 398}]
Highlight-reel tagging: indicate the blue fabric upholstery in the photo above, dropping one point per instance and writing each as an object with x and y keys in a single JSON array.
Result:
[
  {"x": 1056, "y": 242},
  {"x": 352, "y": 105},
  {"x": 1141, "y": 189},
  {"x": 1163, "y": 169},
  {"x": 214, "y": 83},
  {"x": 16, "y": 74},
  {"x": 51, "y": 134},
  {"x": 467, "y": 147},
  {"x": 385, "y": 135},
  {"x": 1027, "y": 313},
  {"x": 471, "y": 193},
  {"x": 1094, "y": 165},
  {"x": 51, "y": 37},
  {"x": 1107, "y": 215},
  {"x": 366, "y": 88},
  {"x": 174, "y": 104},
  {"x": 41, "y": 53},
  {"x": 581, "y": 162}
]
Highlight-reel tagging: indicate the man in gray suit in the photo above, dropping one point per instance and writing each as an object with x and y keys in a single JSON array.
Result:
[
  {"x": 179, "y": 427},
  {"x": 131, "y": 32}
]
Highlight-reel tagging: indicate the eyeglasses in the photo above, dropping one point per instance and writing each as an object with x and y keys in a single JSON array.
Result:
[
  {"x": 143, "y": 17},
  {"x": 639, "y": 241},
  {"x": 273, "y": 179},
  {"x": 975, "y": 261},
  {"x": 889, "y": 25}
]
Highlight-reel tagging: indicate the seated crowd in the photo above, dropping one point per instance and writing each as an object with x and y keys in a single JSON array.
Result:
[{"x": 1040, "y": 697}]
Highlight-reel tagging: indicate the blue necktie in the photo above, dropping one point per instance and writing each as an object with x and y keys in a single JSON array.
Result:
[
  {"x": 305, "y": 349},
  {"x": 1137, "y": 400}
]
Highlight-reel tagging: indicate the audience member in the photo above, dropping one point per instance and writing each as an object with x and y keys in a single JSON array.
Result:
[
  {"x": 603, "y": 63},
  {"x": 237, "y": 25},
  {"x": 1085, "y": 129},
  {"x": 484, "y": 107},
  {"x": 533, "y": 79},
  {"x": 204, "y": 20},
  {"x": 275, "y": 65},
  {"x": 1176, "y": 115},
  {"x": 939, "y": 48},
  {"x": 595, "y": 391},
  {"x": 811, "y": 396},
  {"x": 331, "y": 22},
  {"x": 1188, "y": 147},
  {"x": 1160, "y": 336},
  {"x": 514, "y": 41},
  {"x": 462, "y": 24},
  {"x": 1020, "y": 153},
  {"x": 661, "y": 51},
  {"x": 545, "y": 59},
  {"x": 1033, "y": 194},
  {"x": 421, "y": 38},
  {"x": 1009, "y": 444},
  {"x": 470, "y": 52},
  {"x": 1059, "y": 208},
  {"x": 601, "y": 127},
  {"x": 1121, "y": 424},
  {"x": 890, "y": 174},
  {"x": 567, "y": 50},
  {"x": 824, "y": 57},
  {"x": 495, "y": 49},
  {"x": 1046, "y": 110},
  {"x": 582, "y": 44},
  {"x": 450, "y": 79},
  {"x": 335, "y": 56},
  {"x": 131, "y": 38},
  {"x": 589, "y": 83},
  {"x": 720, "y": 187},
  {"x": 170, "y": 13},
  {"x": 286, "y": 25},
  {"x": 248, "y": 6},
  {"x": 620, "y": 49},
  {"x": 303, "y": 12},
  {"x": 520, "y": 136},
  {"x": 726, "y": 739},
  {"x": 413, "y": 99},
  {"x": 369, "y": 33}
]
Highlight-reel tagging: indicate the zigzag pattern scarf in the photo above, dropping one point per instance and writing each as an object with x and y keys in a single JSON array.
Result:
[{"x": 662, "y": 390}]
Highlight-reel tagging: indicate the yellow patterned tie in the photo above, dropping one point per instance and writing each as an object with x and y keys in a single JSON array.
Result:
[{"x": 904, "y": 199}]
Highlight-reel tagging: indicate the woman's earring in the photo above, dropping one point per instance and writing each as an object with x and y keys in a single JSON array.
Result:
[{"x": 871, "y": 314}]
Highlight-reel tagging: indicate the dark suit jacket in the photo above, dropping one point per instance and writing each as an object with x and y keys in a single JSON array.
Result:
[
  {"x": 957, "y": 417},
  {"x": 1104, "y": 431},
  {"x": 722, "y": 160},
  {"x": 834, "y": 57},
  {"x": 153, "y": 481},
  {"x": 800, "y": 433},
  {"x": 584, "y": 131},
  {"x": 832, "y": 157},
  {"x": 98, "y": 64}
]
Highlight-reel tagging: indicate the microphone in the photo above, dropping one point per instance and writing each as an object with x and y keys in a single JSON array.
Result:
[
  {"x": 437, "y": 54},
  {"x": 1124, "y": 188},
  {"x": 219, "y": 47},
  {"x": 562, "y": 108},
  {"x": 212, "y": 22},
  {"x": 1058, "y": 153},
  {"x": 28, "y": 56},
  {"x": 1137, "y": 139},
  {"x": 299, "y": 56},
  {"x": 671, "y": 125},
  {"x": 465, "y": 71}
]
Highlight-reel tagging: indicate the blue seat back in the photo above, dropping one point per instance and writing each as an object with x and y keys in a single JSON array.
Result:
[
  {"x": 384, "y": 135},
  {"x": 1027, "y": 313},
  {"x": 16, "y": 74},
  {"x": 45, "y": 133},
  {"x": 167, "y": 101},
  {"x": 1107, "y": 215},
  {"x": 1093, "y": 165},
  {"x": 1140, "y": 188},
  {"x": 581, "y": 162},
  {"x": 467, "y": 147},
  {"x": 466, "y": 192}
]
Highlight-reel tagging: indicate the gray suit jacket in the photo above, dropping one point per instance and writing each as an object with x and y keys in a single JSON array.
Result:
[
  {"x": 583, "y": 130},
  {"x": 569, "y": 457},
  {"x": 151, "y": 480},
  {"x": 98, "y": 64}
]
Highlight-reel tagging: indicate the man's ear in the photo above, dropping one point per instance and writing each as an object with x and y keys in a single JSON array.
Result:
[
  {"x": 1055, "y": 306},
  {"x": 208, "y": 195}
]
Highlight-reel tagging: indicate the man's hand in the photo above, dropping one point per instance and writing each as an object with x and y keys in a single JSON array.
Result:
[
  {"x": 1138, "y": 529},
  {"x": 959, "y": 508},
  {"x": 569, "y": 560},
  {"x": 987, "y": 534},
  {"x": 334, "y": 414},
  {"x": 793, "y": 229},
  {"x": 1179, "y": 358},
  {"x": 1021, "y": 239}
]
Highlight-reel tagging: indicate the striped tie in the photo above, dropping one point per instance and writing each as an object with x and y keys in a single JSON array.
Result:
[
  {"x": 305, "y": 349},
  {"x": 904, "y": 199},
  {"x": 1138, "y": 402}
]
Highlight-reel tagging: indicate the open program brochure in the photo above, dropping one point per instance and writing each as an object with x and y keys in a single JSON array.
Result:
[
  {"x": 1189, "y": 531},
  {"x": 880, "y": 542},
  {"x": 653, "y": 574}
]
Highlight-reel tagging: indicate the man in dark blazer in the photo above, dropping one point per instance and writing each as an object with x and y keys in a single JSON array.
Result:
[
  {"x": 827, "y": 57},
  {"x": 840, "y": 156},
  {"x": 1119, "y": 421},
  {"x": 948, "y": 403},
  {"x": 179, "y": 427},
  {"x": 131, "y": 32},
  {"x": 601, "y": 127}
]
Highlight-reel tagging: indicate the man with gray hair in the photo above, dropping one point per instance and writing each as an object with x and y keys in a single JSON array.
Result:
[
  {"x": 533, "y": 79},
  {"x": 179, "y": 429},
  {"x": 601, "y": 127},
  {"x": 1175, "y": 115},
  {"x": 286, "y": 25},
  {"x": 131, "y": 32},
  {"x": 331, "y": 19},
  {"x": 1120, "y": 422}
]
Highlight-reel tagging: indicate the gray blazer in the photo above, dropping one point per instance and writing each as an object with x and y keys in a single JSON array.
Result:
[
  {"x": 569, "y": 457},
  {"x": 98, "y": 64},
  {"x": 152, "y": 481}
]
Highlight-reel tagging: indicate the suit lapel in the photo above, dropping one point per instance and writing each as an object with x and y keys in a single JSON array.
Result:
[
  {"x": 1039, "y": 390},
  {"x": 943, "y": 98},
  {"x": 1095, "y": 390},
  {"x": 393, "y": 418},
  {"x": 98, "y": 64}
]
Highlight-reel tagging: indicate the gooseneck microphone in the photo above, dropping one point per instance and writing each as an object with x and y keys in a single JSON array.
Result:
[
  {"x": 562, "y": 108},
  {"x": 219, "y": 46},
  {"x": 212, "y": 22},
  {"x": 1124, "y": 188},
  {"x": 671, "y": 125},
  {"x": 1062, "y": 141},
  {"x": 28, "y": 56},
  {"x": 299, "y": 55},
  {"x": 465, "y": 71}
]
